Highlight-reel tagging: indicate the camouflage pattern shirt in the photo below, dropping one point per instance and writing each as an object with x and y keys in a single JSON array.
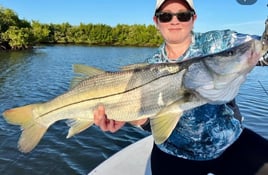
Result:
[{"x": 203, "y": 133}]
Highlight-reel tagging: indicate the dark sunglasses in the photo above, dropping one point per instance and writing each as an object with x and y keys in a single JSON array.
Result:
[{"x": 181, "y": 16}]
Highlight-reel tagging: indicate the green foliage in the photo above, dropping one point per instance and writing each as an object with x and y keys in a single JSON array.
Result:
[
  {"x": 20, "y": 34},
  {"x": 14, "y": 33},
  {"x": 97, "y": 34},
  {"x": 19, "y": 38},
  {"x": 41, "y": 32}
]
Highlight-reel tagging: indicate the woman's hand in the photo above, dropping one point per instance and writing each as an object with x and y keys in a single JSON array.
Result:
[{"x": 101, "y": 120}]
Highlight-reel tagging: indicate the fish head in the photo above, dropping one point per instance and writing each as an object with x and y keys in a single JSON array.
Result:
[
  {"x": 239, "y": 59},
  {"x": 217, "y": 77}
]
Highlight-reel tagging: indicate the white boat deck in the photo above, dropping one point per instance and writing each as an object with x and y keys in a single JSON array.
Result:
[{"x": 132, "y": 160}]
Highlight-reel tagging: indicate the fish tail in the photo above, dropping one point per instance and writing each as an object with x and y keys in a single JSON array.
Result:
[{"x": 32, "y": 132}]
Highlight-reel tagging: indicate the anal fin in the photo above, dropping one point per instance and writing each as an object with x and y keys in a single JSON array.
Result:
[{"x": 77, "y": 126}]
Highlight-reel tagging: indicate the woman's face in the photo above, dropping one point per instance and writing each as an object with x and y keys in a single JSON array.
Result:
[{"x": 175, "y": 31}]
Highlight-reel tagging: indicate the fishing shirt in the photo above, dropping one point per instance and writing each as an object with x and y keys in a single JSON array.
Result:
[{"x": 203, "y": 133}]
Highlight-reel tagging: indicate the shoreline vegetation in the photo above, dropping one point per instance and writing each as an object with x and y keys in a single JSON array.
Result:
[{"x": 20, "y": 34}]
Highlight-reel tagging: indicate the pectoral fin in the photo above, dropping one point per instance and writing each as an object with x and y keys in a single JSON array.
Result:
[{"x": 163, "y": 124}]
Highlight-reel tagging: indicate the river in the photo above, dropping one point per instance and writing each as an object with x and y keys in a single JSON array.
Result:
[{"x": 43, "y": 73}]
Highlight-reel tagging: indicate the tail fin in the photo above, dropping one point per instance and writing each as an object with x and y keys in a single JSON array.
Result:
[{"x": 32, "y": 132}]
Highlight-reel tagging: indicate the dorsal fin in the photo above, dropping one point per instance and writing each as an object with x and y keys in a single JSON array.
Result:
[
  {"x": 86, "y": 70},
  {"x": 82, "y": 72},
  {"x": 133, "y": 66}
]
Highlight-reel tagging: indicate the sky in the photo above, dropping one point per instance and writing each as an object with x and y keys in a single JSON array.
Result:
[{"x": 212, "y": 14}]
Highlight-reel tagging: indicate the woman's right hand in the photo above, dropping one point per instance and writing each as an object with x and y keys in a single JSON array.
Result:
[{"x": 101, "y": 120}]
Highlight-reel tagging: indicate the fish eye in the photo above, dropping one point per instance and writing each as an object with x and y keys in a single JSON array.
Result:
[{"x": 230, "y": 53}]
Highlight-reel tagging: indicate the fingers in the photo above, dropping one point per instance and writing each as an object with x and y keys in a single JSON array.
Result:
[
  {"x": 105, "y": 124},
  {"x": 112, "y": 125},
  {"x": 99, "y": 115}
]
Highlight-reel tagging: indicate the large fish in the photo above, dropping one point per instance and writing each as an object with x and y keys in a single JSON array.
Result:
[{"x": 158, "y": 91}]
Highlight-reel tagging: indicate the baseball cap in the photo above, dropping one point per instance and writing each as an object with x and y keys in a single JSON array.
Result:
[{"x": 160, "y": 2}]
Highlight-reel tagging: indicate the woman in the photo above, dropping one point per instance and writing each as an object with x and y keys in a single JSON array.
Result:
[{"x": 209, "y": 138}]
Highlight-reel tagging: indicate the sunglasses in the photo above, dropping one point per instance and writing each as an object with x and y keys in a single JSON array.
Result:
[{"x": 181, "y": 16}]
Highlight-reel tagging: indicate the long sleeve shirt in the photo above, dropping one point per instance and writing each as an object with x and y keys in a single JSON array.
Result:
[{"x": 203, "y": 133}]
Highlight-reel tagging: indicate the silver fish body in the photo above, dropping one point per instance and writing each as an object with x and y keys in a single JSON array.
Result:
[{"x": 160, "y": 92}]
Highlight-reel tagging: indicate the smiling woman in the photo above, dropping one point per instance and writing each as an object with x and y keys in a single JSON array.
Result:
[{"x": 210, "y": 137}]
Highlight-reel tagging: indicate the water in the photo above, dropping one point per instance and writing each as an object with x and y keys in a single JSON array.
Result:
[{"x": 40, "y": 75}]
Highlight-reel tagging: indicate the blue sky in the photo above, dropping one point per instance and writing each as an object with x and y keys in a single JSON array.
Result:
[{"x": 212, "y": 14}]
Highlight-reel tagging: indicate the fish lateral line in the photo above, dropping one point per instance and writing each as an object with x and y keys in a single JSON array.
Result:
[{"x": 107, "y": 96}]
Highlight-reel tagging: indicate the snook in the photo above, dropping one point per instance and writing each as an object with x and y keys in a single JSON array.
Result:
[{"x": 158, "y": 91}]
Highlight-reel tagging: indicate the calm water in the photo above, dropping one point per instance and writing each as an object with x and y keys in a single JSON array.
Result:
[{"x": 44, "y": 73}]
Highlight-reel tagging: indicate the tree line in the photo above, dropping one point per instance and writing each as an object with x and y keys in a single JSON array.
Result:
[{"x": 19, "y": 34}]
